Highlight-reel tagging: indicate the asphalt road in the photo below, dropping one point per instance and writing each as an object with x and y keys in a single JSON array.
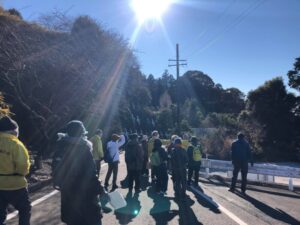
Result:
[{"x": 211, "y": 204}]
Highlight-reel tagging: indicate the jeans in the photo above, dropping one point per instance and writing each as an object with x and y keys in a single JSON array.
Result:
[
  {"x": 112, "y": 169},
  {"x": 18, "y": 199},
  {"x": 243, "y": 167}
]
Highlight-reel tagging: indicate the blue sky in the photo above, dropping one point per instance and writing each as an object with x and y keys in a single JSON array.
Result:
[{"x": 239, "y": 43}]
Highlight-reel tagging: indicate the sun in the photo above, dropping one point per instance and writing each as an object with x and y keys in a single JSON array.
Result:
[{"x": 149, "y": 9}]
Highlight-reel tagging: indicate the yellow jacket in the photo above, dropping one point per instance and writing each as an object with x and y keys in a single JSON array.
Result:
[
  {"x": 14, "y": 163},
  {"x": 97, "y": 147}
]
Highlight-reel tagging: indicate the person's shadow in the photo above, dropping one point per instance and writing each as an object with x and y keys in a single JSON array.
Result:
[
  {"x": 277, "y": 214},
  {"x": 160, "y": 211},
  {"x": 131, "y": 210},
  {"x": 186, "y": 213},
  {"x": 207, "y": 203}
]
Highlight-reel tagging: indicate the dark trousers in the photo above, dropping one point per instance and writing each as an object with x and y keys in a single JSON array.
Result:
[
  {"x": 193, "y": 170},
  {"x": 98, "y": 166},
  {"x": 112, "y": 169},
  {"x": 243, "y": 167},
  {"x": 134, "y": 175},
  {"x": 18, "y": 199},
  {"x": 80, "y": 208},
  {"x": 179, "y": 182},
  {"x": 162, "y": 178},
  {"x": 145, "y": 167}
]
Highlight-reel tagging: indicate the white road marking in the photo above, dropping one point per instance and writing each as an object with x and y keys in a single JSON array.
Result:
[
  {"x": 38, "y": 201},
  {"x": 15, "y": 213},
  {"x": 220, "y": 207}
]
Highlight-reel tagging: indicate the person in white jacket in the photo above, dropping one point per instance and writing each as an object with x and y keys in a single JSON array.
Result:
[{"x": 112, "y": 157}]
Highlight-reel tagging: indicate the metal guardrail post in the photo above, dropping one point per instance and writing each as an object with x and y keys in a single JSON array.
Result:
[
  {"x": 291, "y": 186},
  {"x": 206, "y": 172}
]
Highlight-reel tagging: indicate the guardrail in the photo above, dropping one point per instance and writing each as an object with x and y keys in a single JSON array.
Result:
[{"x": 260, "y": 168}]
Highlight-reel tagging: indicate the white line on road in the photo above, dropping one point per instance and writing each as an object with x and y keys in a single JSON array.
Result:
[
  {"x": 15, "y": 213},
  {"x": 38, "y": 201},
  {"x": 220, "y": 207}
]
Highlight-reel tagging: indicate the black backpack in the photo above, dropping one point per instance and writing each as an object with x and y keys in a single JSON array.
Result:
[{"x": 57, "y": 164}]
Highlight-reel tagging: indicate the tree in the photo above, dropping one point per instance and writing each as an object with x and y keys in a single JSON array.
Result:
[
  {"x": 271, "y": 106},
  {"x": 294, "y": 75}
]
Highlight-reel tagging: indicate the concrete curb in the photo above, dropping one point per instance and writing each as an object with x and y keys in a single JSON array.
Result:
[{"x": 39, "y": 185}]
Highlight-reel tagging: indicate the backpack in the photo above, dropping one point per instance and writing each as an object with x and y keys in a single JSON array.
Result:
[
  {"x": 56, "y": 167},
  {"x": 155, "y": 159},
  {"x": 197, "y": 153}
]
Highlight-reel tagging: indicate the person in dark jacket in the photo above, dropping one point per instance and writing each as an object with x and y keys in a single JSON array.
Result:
[
  {"x": 194, "y": 152},
  {"x": 179, "y": 160},
  {"x": 75, "y": 175},
  {"x": 160, "y": 170},
  {"x": 134, "y": 157},
  {"x": 240, "y": 155}
]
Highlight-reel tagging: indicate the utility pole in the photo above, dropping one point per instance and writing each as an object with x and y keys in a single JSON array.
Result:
[{"x": 179, "y": 62}]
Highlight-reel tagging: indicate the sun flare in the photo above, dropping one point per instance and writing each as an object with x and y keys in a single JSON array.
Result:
[{"x": 149, "y": 9}]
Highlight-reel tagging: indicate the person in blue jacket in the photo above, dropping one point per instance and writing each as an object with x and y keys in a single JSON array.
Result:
[{"x": 240, "y": 155}]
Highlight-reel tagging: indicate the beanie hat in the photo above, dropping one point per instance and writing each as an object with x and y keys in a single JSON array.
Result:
[
  {"x": 240, "y": 135},
  {"x": 133, "y": 136},
  {"x": 7, "y": 124},
  {"x": 194, "y": 139},
  {"x": 75, "y": 128},
  {"x": 177, "y": 141}
]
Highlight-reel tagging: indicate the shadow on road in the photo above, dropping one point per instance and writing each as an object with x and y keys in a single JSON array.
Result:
[
  {"x": 292, "y": 195},
  {"x": 277, "y": 214},
  {"x": 204, "y": 202},
  {"x": 160, "y": 211},
  {"x": 126, "y": 214},
  {"x": 186, "y": 213}
]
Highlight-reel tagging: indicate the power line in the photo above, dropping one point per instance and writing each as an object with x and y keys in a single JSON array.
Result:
[{"x": 230, "y": 26}]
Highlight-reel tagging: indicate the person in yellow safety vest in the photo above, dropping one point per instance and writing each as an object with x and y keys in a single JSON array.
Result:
[
  {"x": 98, "y": 153},
  {"x": 195, "y": 153},
  {"x": 14, "y": 167}
]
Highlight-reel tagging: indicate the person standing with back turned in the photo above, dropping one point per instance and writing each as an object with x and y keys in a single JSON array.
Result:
[
  {"x": 97, "y": 149},
  {"x": 14, "y": 166},
  {"x": 112, "y": 157},
  {"x": 74, "y": 170},
  {"x": 194, "y": 152},
  {"x": 240, "y": 155}
]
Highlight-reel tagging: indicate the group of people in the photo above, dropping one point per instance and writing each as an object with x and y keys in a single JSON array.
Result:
[
  {"x": 76, "y": 167},
  {"x": 142, "y": 155}
]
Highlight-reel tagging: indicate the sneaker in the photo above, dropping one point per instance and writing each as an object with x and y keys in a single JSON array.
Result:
[
  {"x": 138, "y": 190},
  {"x": 114, "y": 187}
]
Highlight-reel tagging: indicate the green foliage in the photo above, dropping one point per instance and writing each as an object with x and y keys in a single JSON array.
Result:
[
  {"x": 269, "y": 108},
  {"x": 4, "y": 108},
  {"x": 294, "y": 75}
]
